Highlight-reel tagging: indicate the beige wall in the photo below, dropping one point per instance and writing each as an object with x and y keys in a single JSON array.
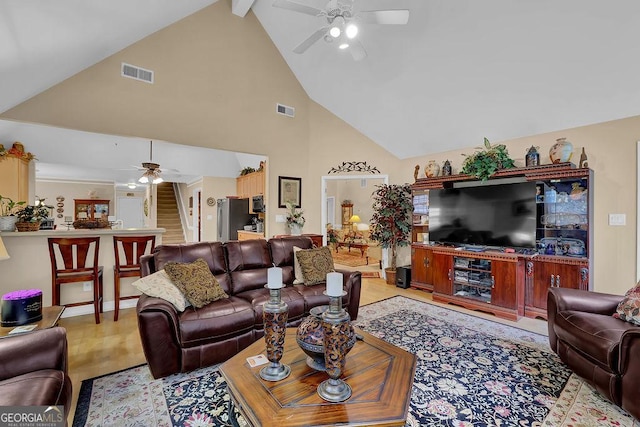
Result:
[{"x": 218, "y": 78}]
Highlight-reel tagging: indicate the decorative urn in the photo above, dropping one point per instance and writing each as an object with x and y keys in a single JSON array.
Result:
[
  {"x": 533, "y": 157},
  {"x": 432, "y": 169},
  {"x": 446, "y": 168},
  {"x": 310, "y": 338},
  {"x": 561, "y": 151}
]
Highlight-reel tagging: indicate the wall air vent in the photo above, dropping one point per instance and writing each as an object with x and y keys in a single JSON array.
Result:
[
  {"x": 285, "y": 110},
  {"x": 137, "y": 73}
]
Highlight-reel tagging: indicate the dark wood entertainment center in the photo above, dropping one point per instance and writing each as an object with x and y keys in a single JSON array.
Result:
[{"x": 507, "y": 283}]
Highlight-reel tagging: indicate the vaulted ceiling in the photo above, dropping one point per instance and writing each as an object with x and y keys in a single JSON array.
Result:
[{"x": 459, "y": 70}]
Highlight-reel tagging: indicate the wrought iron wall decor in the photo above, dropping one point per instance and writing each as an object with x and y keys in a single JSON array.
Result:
[{"x": 354, "y": 167}]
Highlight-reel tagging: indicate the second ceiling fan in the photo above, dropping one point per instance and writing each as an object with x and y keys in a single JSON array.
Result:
[{"x": 342, "y": 23}]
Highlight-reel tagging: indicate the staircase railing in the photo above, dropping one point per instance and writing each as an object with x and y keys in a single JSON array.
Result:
[{"x": 182, "y": 212}]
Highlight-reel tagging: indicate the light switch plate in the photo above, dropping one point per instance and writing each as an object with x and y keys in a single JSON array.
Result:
[{"x": 617, "y": 219}]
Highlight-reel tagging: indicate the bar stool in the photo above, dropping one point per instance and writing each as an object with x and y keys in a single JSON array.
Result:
[
  {"x": 70, "y": 263},
  {"x": 133, "y": 247}
]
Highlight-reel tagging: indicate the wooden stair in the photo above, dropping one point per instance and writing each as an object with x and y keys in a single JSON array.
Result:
[{"x": 168, "y": 215}]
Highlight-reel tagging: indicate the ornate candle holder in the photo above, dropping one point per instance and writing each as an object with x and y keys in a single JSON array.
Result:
[
  {"x": 336, "y": 326},
  {"x": 274, "y": 315}
]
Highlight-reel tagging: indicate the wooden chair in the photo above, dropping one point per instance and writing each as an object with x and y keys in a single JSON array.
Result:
[
  {"x": 71, "y": 263},
  {"x": 132, "y": 247}
]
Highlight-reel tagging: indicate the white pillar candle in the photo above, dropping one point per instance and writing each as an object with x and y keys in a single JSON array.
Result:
[
  {"x": 334, "y": 284},
  {"x": 274, "y": 278}
]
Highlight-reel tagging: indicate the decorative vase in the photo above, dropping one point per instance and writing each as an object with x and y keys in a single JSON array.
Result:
[
  {"x": 336, "y": 326},
  {"x": 274, "y": 314},
  {"x": 295, "y": 229},
  {"x": 446, "y": 168},
  {"x": 533, "y": 157},
  {"x": 8, "y": 223},
  {"x": 432, "y": 169},
  {"x": 561, "y": 151},
  {"x": 310, "y": 338}
]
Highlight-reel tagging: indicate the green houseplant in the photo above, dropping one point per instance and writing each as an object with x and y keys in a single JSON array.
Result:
[
  {"x": 7, "y": 209},
  {"x": 484, "y": 163},
  {"x": 391, "y": 220},
  {"x": 30, "y": 217}
]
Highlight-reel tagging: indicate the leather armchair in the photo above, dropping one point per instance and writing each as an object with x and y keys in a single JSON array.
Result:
[
  {"x": 33, "y": 371},
  {"x": 601, "y": 349}
]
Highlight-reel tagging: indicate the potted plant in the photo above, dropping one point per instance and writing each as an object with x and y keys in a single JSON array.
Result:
[
  {"x": 295, "y": 220},
  {"x": 30, "y": 217},
  {"x": 7, "y": 218},
  {"x": 391, "y": 221},
  {"x": 482, "y": 164}
]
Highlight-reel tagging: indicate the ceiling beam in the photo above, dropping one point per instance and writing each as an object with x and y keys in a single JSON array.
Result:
[{"x": 241, "y": 7}]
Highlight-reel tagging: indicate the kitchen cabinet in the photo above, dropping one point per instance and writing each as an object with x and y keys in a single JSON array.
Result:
[{"x": 249, "y": 185}]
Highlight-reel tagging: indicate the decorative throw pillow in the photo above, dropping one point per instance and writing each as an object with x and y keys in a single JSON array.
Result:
[
  {"x": 297, "y": 270},
  {"x": 159, "y": 285},
  {"x": 315, "y": 264},
  {"x": 629, "y": 308},
  {"x": 196, "y": 281}
]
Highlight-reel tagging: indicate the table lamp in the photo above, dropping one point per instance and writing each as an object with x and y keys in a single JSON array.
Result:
[{"x": 354, "y": 220}]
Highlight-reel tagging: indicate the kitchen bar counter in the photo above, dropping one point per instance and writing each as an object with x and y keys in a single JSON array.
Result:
[{"x": 29, "y": 266}]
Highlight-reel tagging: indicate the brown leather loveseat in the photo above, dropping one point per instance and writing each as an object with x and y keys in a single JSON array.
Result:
[
  {"x": 601, "y": 349},
  {"x": 181, "y": 342},
  {"x": 34, "y": 370}
]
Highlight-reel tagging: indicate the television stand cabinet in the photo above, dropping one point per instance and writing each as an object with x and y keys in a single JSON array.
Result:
[{"x": 512, "y": 284}]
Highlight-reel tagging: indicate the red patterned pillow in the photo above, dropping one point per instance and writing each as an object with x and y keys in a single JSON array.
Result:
[{"x": 629, "y": 308}]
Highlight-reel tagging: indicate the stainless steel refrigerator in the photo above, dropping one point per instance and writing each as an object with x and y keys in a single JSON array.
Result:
[{"x": 233, "y": 215}]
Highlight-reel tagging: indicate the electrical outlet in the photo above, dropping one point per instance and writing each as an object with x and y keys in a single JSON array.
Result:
[
  {"x": 617, "y": 219},
  {"x": 86, "y": 286}
]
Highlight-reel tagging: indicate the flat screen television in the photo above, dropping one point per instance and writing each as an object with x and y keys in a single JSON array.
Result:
[{"x": 498, "y": 215}]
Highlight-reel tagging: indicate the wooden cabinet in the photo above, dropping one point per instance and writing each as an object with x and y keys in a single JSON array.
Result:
[
  {"x": 548, "y": 272},
  {"x": 519, "y": 281},
  {"x": 249, "y": 235},
  {"x": 347, "y": 212},
  {"x": 14, "y": 179},
  {"x": 249, "y": 185},
  {"x": 421, "y": 268},
  {"x": 93, "y": 208},
  {"x": 441, "y": 272}
]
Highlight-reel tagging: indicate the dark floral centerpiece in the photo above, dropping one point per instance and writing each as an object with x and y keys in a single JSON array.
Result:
[{"x": 295, "y": 219}]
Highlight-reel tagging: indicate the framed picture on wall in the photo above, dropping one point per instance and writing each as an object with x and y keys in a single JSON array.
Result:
[{"x": 289, "y": 190}]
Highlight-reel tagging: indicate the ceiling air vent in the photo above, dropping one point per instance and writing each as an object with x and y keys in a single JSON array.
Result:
[
  {"x": 287, "y": 111},
  {"x": 137, "y": 73}
]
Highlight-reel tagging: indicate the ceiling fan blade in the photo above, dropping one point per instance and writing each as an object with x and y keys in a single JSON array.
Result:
[
  {"x": 357, "y": 50},
  {"x": 302, "y": 47},
  {"x": 297, "y": 7},
  {"x": 388, "y": 17}
]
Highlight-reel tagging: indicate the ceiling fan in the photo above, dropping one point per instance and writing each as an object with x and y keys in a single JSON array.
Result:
[
  {"x": 342, "y": 23},
  {"x": 151, "y": 170}
]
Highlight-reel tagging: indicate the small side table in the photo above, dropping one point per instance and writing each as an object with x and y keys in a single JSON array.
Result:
[{"x": 50, "y": 317}]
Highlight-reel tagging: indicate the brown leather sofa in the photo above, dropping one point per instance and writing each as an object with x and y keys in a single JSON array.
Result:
[
  {"x": 601, "y": 349},
  {"x": 33, "y": 371},
  {"x": 181, "y": 342}
]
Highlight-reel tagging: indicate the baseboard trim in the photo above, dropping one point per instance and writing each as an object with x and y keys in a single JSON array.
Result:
[{"x": 81, "y": 310}]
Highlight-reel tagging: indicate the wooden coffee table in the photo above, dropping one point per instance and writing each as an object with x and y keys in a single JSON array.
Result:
[
  {"x": 380, "y": 376},
  {"x": 361, "y": 246},
  {"x": 50, "y": 317}
]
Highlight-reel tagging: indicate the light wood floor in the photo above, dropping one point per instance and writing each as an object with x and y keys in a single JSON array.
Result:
[{"x": 96, "y": 350}]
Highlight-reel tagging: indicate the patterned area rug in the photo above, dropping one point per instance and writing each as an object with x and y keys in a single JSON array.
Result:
[
  {"x": 470, "y": 372},
  {"x": 353, "y": 258},
  {"x": 370, "y": 274}
]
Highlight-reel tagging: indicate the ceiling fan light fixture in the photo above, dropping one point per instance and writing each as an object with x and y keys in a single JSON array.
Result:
[
  {"x": 343, "y": 45},
  {"x": 351, "y": 31},
  {"x": 335, "y": 31},
  {"x": 143, "y": 179}
]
